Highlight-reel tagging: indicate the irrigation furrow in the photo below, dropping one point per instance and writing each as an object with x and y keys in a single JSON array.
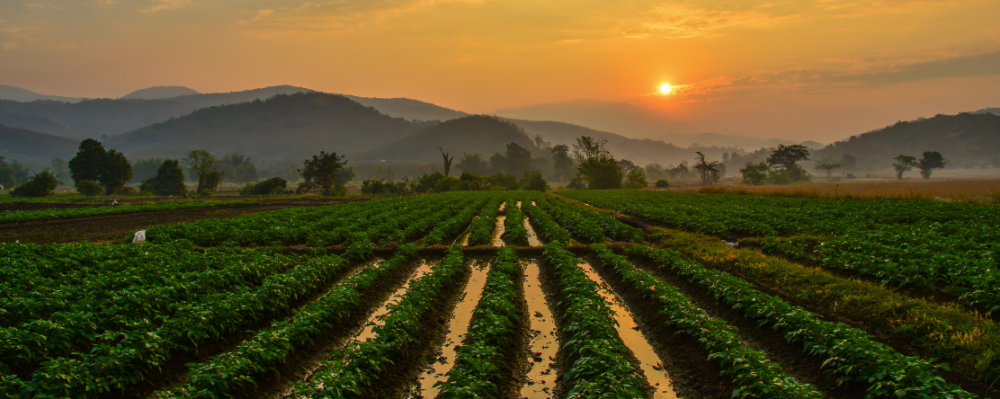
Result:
[
  {"x": 540, "y": 381},
  {"x": 497, "y": 241},
  {"x": 628, "y": 330},
  {"x": 456, "y": 327}
]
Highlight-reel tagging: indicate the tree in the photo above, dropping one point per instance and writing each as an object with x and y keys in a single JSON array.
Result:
[
  {"x": 601, "y": 173},
  {"x": 89, "y": 188},
  {"x": 708, "y": 171},
  {"x": 7, "y": 173},
  {"x": 88, "y": 162},
  {"x": 168, "y": 181},
  {"x": 60, "y": 169},
  {"x": 786, "y": 158},
  {"x": 725, "y": 157},
  {"x": 931, "y": 160},
  {"x": 39, "y": 185},
  {"x": 117, "y": 171},
  {"x": 238, "y": 168},
  {"x": 903, "y": 164},
  {"x": 518, "y": 159},
  {"x": 273, "y": 186},
  {"x": 587, "y": 148},
  {"x": 143, "y": 169},
  {"x": 626, "y": 165},
  {"x": 662, "y": 183},
  {"x": 447, "y": 161},
  {"x": 534, "y": 181},
  {"x": 635, "y": 179},
  {"x": 828, "y": 165},
  {"x": 849, "y": 162},
  {"x": 755, "y": 174},
  {"x": 474, "y": 164},
  {"x": 562, "y": 164},
  {"x": 322, "y": 171},
  {"x": 200, "y": 164}
]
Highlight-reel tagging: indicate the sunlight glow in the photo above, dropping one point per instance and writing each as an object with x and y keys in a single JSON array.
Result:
[{"x": 665, "y": 88}]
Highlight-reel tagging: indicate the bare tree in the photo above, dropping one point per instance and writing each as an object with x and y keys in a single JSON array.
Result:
[
  {"x": 447, "y": 161},
  {"x": 828, "y": 165}
]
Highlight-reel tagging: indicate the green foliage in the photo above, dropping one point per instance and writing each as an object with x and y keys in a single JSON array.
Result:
[
  {"x": 427, "y": 182},
  {"x": 60, "y": 168},
  {"x": 237, "y": 168},
  {"x": 635, "y": 179},
  {"x": 116, "y": 170},
  {"x": 547, "y": 229},
  {"x": 662, "y": 183},
  {"x": 39, "y": 185},
  {"x": 89, "y": 188},
  {"x": 576, "y": 183},
  {"x": 447, "y": 183},
  {"x": 788, "y": 155},
  {"x": 903, "y": 164},
  {"x": 562, "y": 163},
  {"x": 383, "y": 187},
  {"x": 931, "y": 160},
  {"x": 601, "y": 173},
  {"x": 514, "y": 231},
  {"x": 272, "y": 186},
  {"x": 143, "y": 169},
  {"x": 8, "y": 175},
  {"x": 88, "y": 162},
  {"x": 534, "y": 181},
  {"x": 323, "y": 170},
  {"x": 168, "y": 181},
  {"x": 474, "y": 163},
  {"x": 481, "y": 231}
]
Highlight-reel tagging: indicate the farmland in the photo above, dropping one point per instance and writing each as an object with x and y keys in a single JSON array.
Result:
[{"x": 510, "y": 294}]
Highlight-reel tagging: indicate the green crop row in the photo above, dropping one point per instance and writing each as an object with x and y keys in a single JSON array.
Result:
[
  {"x": 358, "y": 367},
  {"x": 514, "y": 231},
  {"x": 612, "y": 228},
  {"x": 481, "y": 232},
  {"x": 850, "y": 354},
  {"x": 486, "y": 360},
  {"x": 119, "y": 359},
  {"x": 456, "y": 224},
  {"x": 757, "y": 376},
  {"x": 68, "y": 213},
  {"x": 546, "y": 228},
  {"x": 600, "y": 365},
  {"x": 231, "y": 373},
  {"x": 577, "y": 224}
]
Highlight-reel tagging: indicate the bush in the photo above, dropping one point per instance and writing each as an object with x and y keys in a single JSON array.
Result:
[
  {"x": 449, "y": 183},
  {"x": 272, "y": 186},
  {"x": 576, "y": 183},
  {"x": 39, "y": 185},
  {"x": 127, "y": 191},
  {"x": 662, "y": 183},
  {"x": 89, "y": 188},
  {"x": 169, "y": 180},
  {"x": 635, "y": 179},
  {"x": 534, "y": 181}
]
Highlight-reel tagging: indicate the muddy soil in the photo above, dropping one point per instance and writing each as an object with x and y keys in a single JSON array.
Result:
[{"x": 540, "y": 373}]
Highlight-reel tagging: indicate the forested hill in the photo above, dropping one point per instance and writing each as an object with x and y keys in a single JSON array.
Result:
[
  {"x": 94, "y": 118},
  {"x": 409, "y": 109},
  {"x": 964, "y": 139},
  {"x": 236, "y": 97},
  {"x": 34, "y": 148},
  {"x": 477, "y": 133},
  {"x": 283, "y": 127}
]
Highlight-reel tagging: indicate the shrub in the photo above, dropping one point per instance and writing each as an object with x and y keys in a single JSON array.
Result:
[
  {"x": 662, "y": 183},
  {"x": 449, "y": 183},
  {"x": 635, "y": 179},
  {"x": 89, "y": 188},
  {"x": 169, "y": 180},
  {"x": 273, "y": 186},
  {"x": 39, "y": 185},
  {"x": 534, "y": 181}
]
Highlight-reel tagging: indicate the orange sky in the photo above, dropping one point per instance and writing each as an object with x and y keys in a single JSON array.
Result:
[{"x": 821, "y": 70}]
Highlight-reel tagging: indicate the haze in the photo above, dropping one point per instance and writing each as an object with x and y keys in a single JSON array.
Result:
[{"x": 813, "y": 70}]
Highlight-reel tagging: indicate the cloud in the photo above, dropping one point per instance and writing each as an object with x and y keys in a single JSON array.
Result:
[
  {"x": 682, "y": 22},
  {"x": 159, "y": 5},
  {"x": 261, "y": 14},
  {"x": 14, "y": 37},
  {"x": 39, "y": 6}
]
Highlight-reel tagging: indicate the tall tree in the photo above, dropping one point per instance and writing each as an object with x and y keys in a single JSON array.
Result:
[
  {"x": 786, "y": 157},
  {"x": 828, "y": 165},
  {"x": 709, "y": 171},
  {"x": 931, "y": 160},
  {"x": 89, "y": 160},
  {"x": 474, "y": 164},
  {"x": 587, "y": 148},
  {"x": 447, "y": 161},
  {"x": 7, "y": 179},
  {"x": 903, "y": 164},
  {"x": 169, "y": 180},
  {"x": 238, "y": 168},
  {"x": 755, "y": 174},
  {"x": 518, "y": 159},
  {"x": 201, "y": 164},
  {"x": 322, "y": 171},
  {"x": 60, "y": 169},
  {"x": 595, "y": 163},
  {"x": 562, "y": 164},
  {"x": 116, "y": 171}
]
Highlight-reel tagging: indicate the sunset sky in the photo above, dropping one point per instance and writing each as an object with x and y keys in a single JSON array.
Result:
[{"x": 820, "y": 70}]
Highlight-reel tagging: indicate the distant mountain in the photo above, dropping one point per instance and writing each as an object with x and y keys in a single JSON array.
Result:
[
  {"x": 33, "y": 148},
  {"x": 621, "y": 118},
  {"x": 236, "y": 97},
  {"x": 159, "y": 93},
  {"x": 643, "y": 151},
  {"x": 19, "y": 94},
  {"x": 292, "y": 126},
  {"x": 965, "y": 140},
  {"x": 34, "y": 123},
  {"x": 477, "y": 133},
  {"x": 994, "y": 111},
  {"x": 409, "y": 109},
  {"x": 95, "y": 118}
]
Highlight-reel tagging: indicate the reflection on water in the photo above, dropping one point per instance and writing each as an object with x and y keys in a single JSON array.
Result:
[
  {"x": 497, "y": 242},
  {"x": 541, "y": 381}
]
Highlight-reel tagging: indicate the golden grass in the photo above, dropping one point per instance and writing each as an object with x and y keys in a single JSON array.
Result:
[{"x": 981, "y": 192}]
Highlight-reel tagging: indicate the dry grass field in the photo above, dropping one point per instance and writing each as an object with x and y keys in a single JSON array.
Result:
[{"x": 985, "y": 191}]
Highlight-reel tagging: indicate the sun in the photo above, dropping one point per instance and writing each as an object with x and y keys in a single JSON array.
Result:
[{"x": 665, "y": 88}]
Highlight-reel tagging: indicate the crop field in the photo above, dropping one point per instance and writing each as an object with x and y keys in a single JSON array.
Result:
[{"x": 515, "y": 294}]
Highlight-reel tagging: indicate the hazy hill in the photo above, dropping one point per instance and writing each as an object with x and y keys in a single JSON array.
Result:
[
  {"x": 34, "y": 123},
  {"x": 994, "y": 111},
  {"x": 964, "y": 139},
  {"x": 283, "y": 127},
  {"x": 236, "y": 97},
  {"x": 94, "y": 118},
  {"x": 471, "y": 134},
  {"x": 19, "y": 94},
  {"x": 33, "y": 148},
  {"x": 409, "y": 109},
  {"x": 621, "y": 118},
  {"x": 159, "y": 93}
]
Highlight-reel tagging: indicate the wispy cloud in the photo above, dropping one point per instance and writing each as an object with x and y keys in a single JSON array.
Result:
[
  {"x": 14, "y": 37},
  {"x": 160, "y": 5},
  {"x": 40, "y": 6},
  {"x": 682, "y": 22}
]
